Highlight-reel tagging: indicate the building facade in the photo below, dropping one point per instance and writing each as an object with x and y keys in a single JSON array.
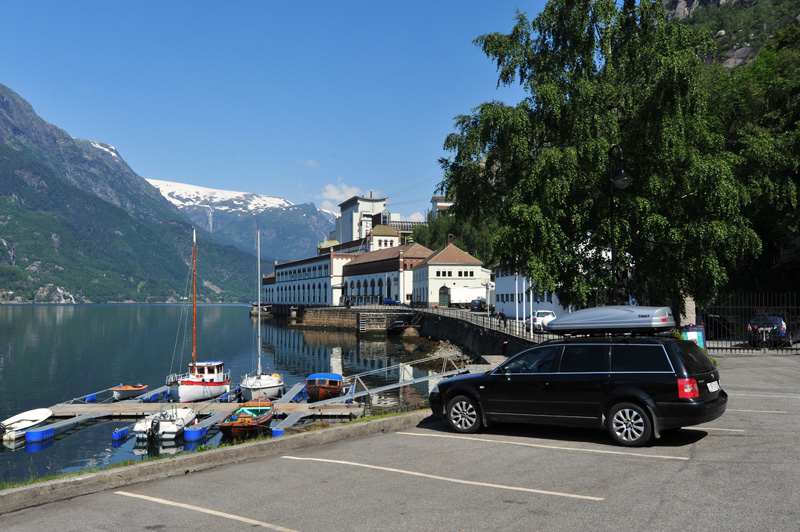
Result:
[
  {"x": 517, "y": 298},
  {"x": 449, "y": 276}
]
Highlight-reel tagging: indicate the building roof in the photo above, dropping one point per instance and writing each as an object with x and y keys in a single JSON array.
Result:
[
  {"x": 356, "y": 199},
  {"x": 383, "y": 230},
  {"x": 451, "y": 255},
  {"x": 410, "y": 251}
]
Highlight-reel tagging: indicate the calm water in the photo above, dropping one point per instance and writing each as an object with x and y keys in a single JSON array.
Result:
[{"x": 51, "y": 354}]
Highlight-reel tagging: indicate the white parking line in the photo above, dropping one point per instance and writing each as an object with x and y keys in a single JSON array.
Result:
[
  {"x": 446, "y": 479},
  {"x": 718, "y": 430},
  {"x": 787, "y": 396},
  {"x": 206, "y": 511},
  {"x": 759, "y": 411},
  {"x": 541, "y": 446}
]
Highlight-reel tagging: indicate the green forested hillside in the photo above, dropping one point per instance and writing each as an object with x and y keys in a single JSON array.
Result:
[
  {"x": 55, "y": 236},
  {"x": 742, "y": 23}
]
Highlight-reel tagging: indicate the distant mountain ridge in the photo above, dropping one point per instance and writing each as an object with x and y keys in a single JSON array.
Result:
[
  {"x": 288, "y": 231},
  {"x": 77, "y": 224}
]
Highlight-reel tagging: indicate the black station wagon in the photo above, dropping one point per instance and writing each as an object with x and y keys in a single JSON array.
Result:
[{"x": 635, "y": 387}]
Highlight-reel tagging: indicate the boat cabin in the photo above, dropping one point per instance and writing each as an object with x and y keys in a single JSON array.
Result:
[{"x": 201, "y": 369}]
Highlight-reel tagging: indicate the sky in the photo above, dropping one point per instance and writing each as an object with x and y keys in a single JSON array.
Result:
[{"x": 313, "y": 101}]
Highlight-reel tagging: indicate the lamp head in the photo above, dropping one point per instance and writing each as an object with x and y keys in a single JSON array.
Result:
[{"x": 622, "y": 180}]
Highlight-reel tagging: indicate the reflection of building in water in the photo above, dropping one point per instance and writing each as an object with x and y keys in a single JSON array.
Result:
[
  {"x": 301, "y": 353},
  {"x": 372, "y": 349},
  {"x": 336, "y": 360}
]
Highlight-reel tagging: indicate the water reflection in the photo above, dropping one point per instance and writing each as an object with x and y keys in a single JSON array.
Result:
[{"x": 52, "y": 353}]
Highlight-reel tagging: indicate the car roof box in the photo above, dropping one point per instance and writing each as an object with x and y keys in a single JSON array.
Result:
[{"x": 614, "y": 319}]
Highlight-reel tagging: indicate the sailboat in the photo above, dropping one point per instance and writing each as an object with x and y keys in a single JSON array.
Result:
[
  {"x": 204, "y": 380},
  {"x": 260, "y": 384}
]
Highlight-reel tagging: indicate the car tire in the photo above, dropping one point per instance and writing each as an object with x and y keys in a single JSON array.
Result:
[
  {"x": 463, "y": 414},
  {"x": 629, "y": 425}
]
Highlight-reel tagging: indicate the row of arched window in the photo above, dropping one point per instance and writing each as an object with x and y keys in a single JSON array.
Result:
[
  {"x": 305, "y": 293},
  {"x": 367, "y": 288}
]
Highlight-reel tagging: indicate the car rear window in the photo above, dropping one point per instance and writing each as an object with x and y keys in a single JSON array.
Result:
[
  {"x": 694, "y": 358},
  {"x": 627, "y": 358},
  {"x": 762, "y": 321}
]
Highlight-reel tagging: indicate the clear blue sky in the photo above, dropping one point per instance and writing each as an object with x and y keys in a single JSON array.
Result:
[{"x": 310, "y": 101}]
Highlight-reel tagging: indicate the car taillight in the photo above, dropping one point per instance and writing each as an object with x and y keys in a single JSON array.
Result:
[
  {"x": 749, "y": 327},
  {"x": 687, "y": 389},
  {"x": 783, "y": 326}
]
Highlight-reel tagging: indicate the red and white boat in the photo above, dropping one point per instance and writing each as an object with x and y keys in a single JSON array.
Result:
[{"x": 204, "y": 380}]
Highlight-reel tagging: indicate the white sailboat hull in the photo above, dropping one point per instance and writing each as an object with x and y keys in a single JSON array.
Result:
[
  {"x": 187, "y": 391},
  {"x": 262, "y": 386}
]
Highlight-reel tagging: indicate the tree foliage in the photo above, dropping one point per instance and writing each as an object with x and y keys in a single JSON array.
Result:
[
  {"x": 599, "y": 76},
  {"x": 474, "y": 237},
  {"x": 756, "y": 108}
]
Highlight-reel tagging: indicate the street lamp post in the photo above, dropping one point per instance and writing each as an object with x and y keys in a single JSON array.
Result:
[{"x": 621, "y": 181}]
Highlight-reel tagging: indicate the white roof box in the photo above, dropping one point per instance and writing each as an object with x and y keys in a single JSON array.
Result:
[{"x": 614, "y": 319}]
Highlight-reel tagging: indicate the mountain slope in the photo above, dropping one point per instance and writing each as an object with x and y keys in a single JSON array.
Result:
[
  {"x": 740, "y": 28},
  {"x": 288, "y": 232},
  {"x": 76, "y": 223}
]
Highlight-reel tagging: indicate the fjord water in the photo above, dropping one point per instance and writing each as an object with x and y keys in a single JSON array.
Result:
[{"x": 53, "y": 353}]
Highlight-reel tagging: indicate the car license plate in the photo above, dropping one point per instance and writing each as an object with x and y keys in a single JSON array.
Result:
[{"x": 713, "y": 386}]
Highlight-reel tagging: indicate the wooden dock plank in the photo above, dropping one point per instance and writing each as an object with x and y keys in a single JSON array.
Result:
[{"x": 126, "y": 410}]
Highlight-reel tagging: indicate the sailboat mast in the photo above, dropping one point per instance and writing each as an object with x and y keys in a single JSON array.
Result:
[
  {"x": 258, "y": 288},
  {"x": 194, "y": 297}
]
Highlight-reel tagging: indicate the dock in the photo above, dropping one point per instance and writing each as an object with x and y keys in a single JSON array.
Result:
[
  {"x": 73, "y": 414},
  {"x": 128, "y": 411}
]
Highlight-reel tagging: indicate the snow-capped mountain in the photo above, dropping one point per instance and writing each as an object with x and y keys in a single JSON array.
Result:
[
  {"x": 288, "y": 231},
  {"x": 183, "y": 196}
]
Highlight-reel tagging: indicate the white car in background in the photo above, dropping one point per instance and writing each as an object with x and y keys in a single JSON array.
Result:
[{"x": 540, "y": 320}]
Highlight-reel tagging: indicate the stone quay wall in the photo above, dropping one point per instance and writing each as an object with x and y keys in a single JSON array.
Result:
[{"x": 475, "y": 340}]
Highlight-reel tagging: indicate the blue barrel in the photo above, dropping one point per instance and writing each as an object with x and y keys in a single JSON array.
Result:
[
  {"x": 194, "y": 434},
  {"x": 91, "y": 398},
  {"x": 277, "y": 432},
  {"x": 36, "y": 436},
  {"x": 120, "y": 434}
]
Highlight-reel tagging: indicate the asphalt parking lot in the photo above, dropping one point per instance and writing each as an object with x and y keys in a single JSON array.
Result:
[{"x": 739, "y": 472}]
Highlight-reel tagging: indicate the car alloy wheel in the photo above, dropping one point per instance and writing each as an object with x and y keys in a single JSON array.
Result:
[
  {"x": 463, "y": 414},
  {"x": 629, "y": 425}
]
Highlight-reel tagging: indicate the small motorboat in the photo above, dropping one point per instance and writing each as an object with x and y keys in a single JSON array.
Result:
[
  {"x": 249, "y": 420},
  {"x": 15, "y": 426},
  {"x": 164, "y": 425},
  {"x": 321, "y": 386},
  {"x": 126, "y": 391}
]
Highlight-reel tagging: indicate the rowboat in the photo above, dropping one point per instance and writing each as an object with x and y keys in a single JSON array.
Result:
[
  {"x": 164, "y": 425},
  {"x": 15, "y": 426},
  {"x": 250, "y": 419},
  {"x": 126, "y": 391},
  {"x": 321, "y": 386}
]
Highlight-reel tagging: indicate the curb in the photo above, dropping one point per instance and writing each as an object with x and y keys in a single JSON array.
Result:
[{"x": 66, "y": 488}]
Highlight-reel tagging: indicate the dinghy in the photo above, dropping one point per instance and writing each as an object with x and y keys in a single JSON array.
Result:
[
  {"x": 15, "y": 426},
  {"x": 126, "y": 391}
]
